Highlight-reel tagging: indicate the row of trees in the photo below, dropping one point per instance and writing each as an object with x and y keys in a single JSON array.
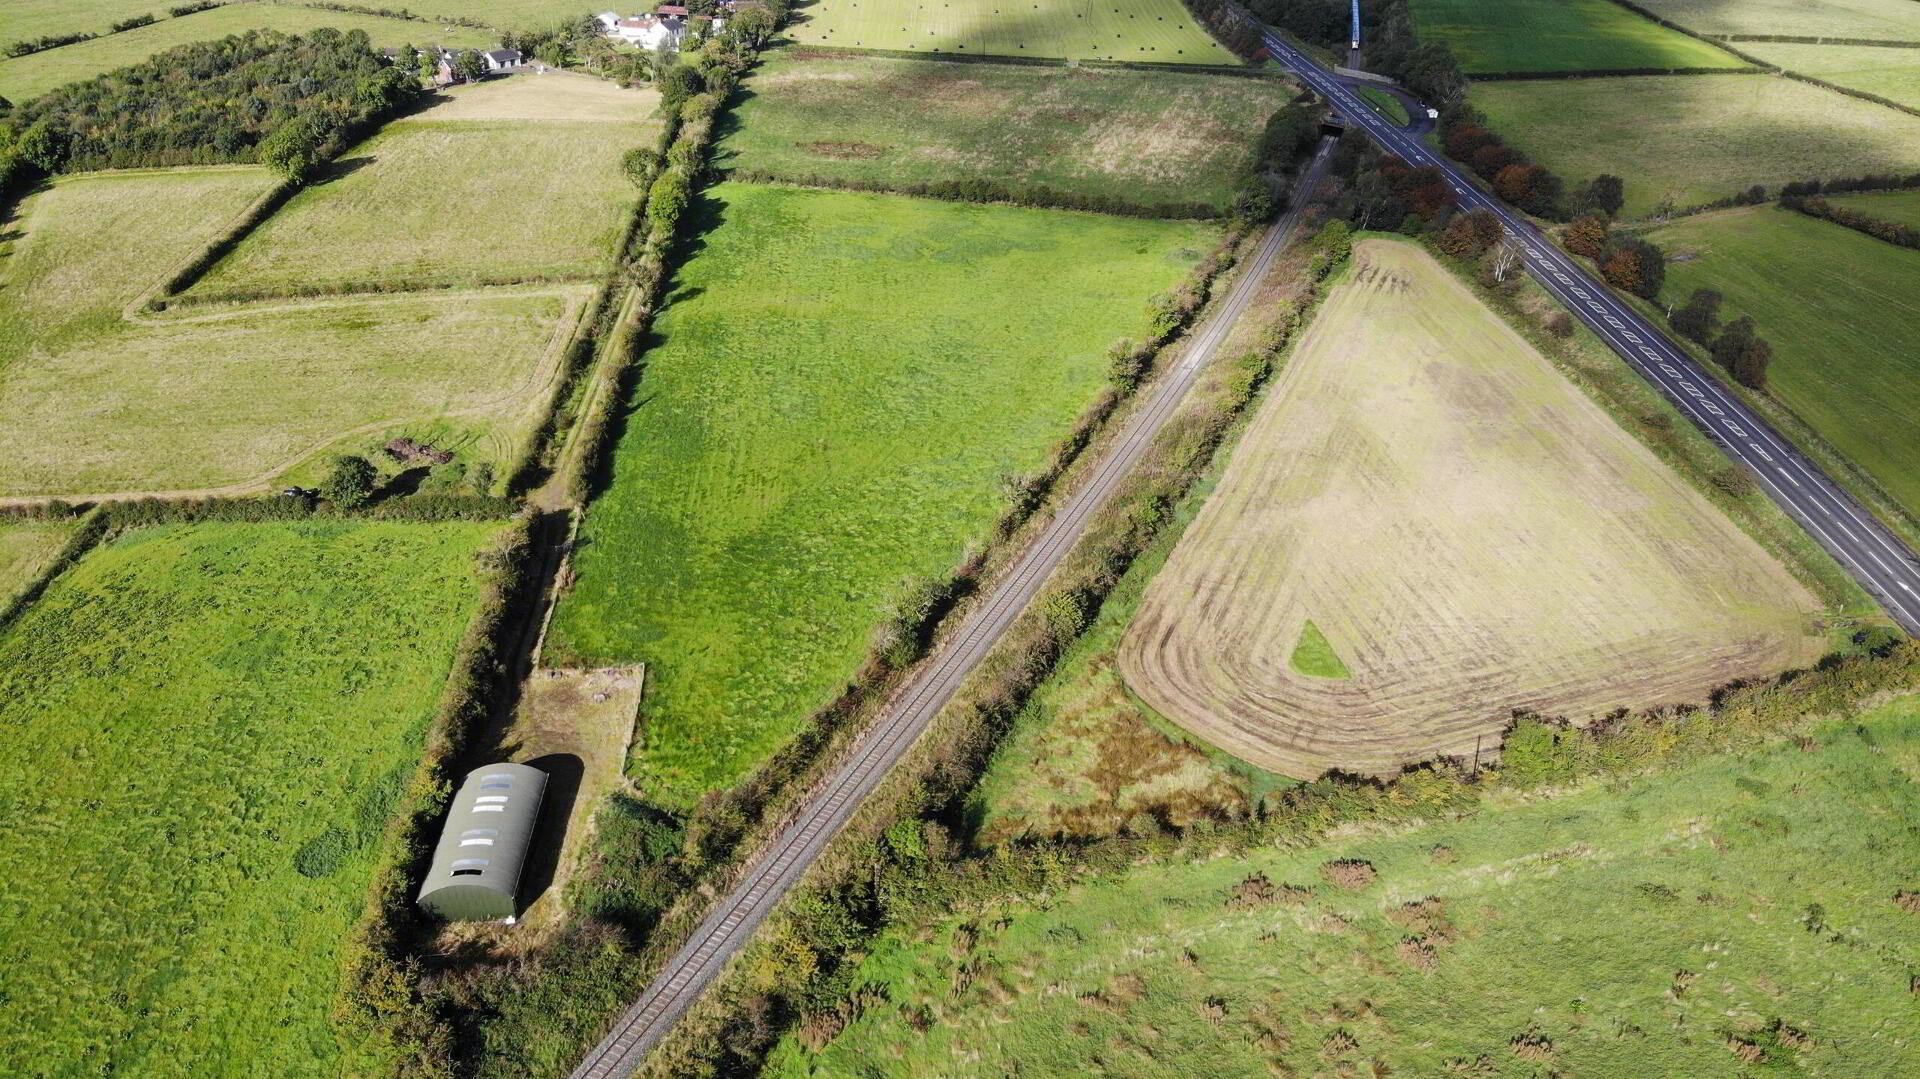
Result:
[
  {"x": 1893, "y": 232},
  {"x": 1736, "y": 346}
]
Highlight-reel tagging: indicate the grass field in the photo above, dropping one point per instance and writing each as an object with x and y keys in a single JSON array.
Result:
[
  {"x": 1691, "y": 139},
  {"x": 839, "y": 387},
  {"x": 511, "y": 179},
  {"x": 1842, "y": 310},
  {"x": 1559, "y": 35},
  {"x": 1471, "y": 534},
  {"x": 30, "y": 76},
  {"x": 1149, "y": 31},
  {"x": 1141, "y": 136},
  {"x": 1628, "y": 930},
  {"x": 221, "y": 718},
  {"x": 1384, "y": 103},
  {"x": 95, "y": 402},
  {"x": 36, "y": 18},
  {"x": 1902, "y": 206},
  {"x": 1890, "y": 73},
  {"x": 1875, "y": 20},
  {"x": 26, "y": 547}
]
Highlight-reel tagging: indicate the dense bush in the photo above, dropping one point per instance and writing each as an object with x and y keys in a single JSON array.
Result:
[
  {"x": 212, "y": 101},
  {"x": 982, "y": 191}
]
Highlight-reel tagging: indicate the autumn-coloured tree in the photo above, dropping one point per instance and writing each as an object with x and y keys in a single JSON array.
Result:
[
  {"x": 1622, "y": 270},
  {"x": 1490, "y": 159},
  {"x": 1468, "y": 235},
  {"x": 1588, "y": 236}
]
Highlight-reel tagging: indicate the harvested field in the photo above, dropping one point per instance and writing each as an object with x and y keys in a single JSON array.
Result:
[
  {"x": 1148, "y": 31},
  {"x": 32, "y": 75},
  {"x": 513, "y": 179},
  {"x": 1890, "y": 73},
  {"x": 1559, "y": 35},
  {"x": 1143, "y": 137},
  {"x": 1471, "y": 534},
  {"x": 1685, "y": 140},
  {"x": 1877, "y": 20},
  {"x": 222, "y": 719},
  {"x": 96, "y": 393}
]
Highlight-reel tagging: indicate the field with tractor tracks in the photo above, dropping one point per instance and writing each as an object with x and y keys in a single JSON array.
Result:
[{"x": 1471, "y": 536}]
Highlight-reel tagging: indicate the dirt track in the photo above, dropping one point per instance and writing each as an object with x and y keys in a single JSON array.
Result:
[{"x": 1472, "y": 534}]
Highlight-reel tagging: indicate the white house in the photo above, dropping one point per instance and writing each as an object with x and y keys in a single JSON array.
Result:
[
  {"x": 666, "y": 24},
  {"x": 501, "y": 59}
]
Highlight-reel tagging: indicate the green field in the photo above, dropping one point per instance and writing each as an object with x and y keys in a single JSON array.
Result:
[
  {"x": 1559, "y": 35},
  {"x": 1149, "y": 31},
  {"x": 1890, "y": 73},
  {"x": 1384, "y": 103},
  {"x": 1901, "y": 206},
  {"x": 1875, "y": 20},
  {"x": 35, "y": 18},
  {"x": 838, "y": 390},
  {"x": 30, "y": 76},
  {"x": 1842, "y": 310},
  {"x": 95, "y": 400},
  {"x": 220, "y": 719},
  {"x": 1644, "y": 928},
  {"x": 1688, "y": 140},
  {"x": 513, "y": 179},
  {"x": 26, "y": 547},
  {"x": 1139, "y": 136}
]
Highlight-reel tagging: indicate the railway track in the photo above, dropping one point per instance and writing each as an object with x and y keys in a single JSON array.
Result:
[{"x": 775, "y": 871}]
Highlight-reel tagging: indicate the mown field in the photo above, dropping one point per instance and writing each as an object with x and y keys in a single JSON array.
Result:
[
  {"x": 513, "y": 179},
  {"x": 1150, "y": 31},
  {"x": 221, "y": 719},
  {"x": 26, "y": 548},
  {"x": 1687, "y": 140},
  {"x": 1735, "y": 916},
  {"x": 1470, "y": 533},
  {"x": 1890, "y": 73},
  {"x": 1559, "y": 35},
  {"x": 1902, "y": 206},
  {"x": 1879, "y": 20},
  {"x": 838, "y": 388},
  {"x": 96, "y": 402},
  {"x": 1140, "y": 136},
  {"x": 30, "y": 76},
  {"x": 1842, "y": 310}
]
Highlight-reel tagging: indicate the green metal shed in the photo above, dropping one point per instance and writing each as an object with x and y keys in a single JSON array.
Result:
[{"x": 475, "y": 875}]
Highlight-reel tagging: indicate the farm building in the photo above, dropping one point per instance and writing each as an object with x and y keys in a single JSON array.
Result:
[{"x": 475, "y": 875}]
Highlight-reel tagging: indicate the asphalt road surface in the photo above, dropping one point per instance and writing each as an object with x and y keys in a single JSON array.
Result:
[
  {"x": 732, "y": 921},
  {"x": 1877, "y": 558}
]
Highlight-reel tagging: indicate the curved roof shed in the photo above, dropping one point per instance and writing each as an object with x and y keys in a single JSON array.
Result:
[{"x": 475, "y": 875}]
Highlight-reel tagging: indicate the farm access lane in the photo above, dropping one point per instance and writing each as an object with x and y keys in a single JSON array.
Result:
[
  {"x": 735, "y": 917},
  {"x": 1865, "y": 547}
]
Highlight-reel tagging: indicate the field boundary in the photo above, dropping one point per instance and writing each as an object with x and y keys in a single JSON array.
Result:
[
  {"x": 94, "y": 526},
  {"x": 851, "y": 52},
  {"x": 546, "y": 373}
]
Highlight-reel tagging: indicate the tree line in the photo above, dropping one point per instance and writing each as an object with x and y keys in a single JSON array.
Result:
[
  {"x": 1893, "y": 232},
  {"x": 284, "y": 100}
]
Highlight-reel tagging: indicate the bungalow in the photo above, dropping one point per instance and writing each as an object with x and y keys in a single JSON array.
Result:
[{"x": 501, "y": 59}]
